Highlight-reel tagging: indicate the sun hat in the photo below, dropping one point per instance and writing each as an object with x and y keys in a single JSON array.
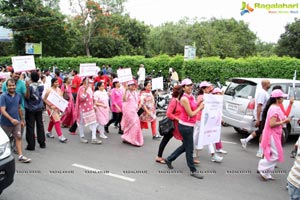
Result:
[
  {"x": 186, "y": 82},
  {"x": 278, "y": 93},
  {"x": 216, "y": 90},
  {"x": 115, "y": 80},
  {"x": 131, "y": 82},
  {"x": 205, "y": 84}
]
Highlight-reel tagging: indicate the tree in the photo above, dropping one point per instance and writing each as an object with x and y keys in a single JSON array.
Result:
[
  {"x": 289, "y": 42},
  {"x": 30, "y": 21}
]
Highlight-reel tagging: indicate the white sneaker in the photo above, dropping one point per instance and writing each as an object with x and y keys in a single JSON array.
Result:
[
  {"x": 102, "y": 135},
  {"x": 244, "y": 143},
  {"x": 63, "y": 139},
  {"x": 221, "y": 151},
  {"x": 259, "y": 154},
  {"x": 216, "y": 158},
  {"x": 49, "y": 135},
  {"x": 83, "y": 140},
  {"x": 96, "y": 141}
]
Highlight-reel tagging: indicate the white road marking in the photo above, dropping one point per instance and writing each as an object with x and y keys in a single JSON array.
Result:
[
  {"x": 227, "y": 142},
  {"x": 108, "y": 174}
]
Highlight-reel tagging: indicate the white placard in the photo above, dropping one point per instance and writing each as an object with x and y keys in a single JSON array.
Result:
[
  {"x": 124, "y": 75},
  {"x": 58, "y": 101},
  {"x": 23, "y": 63},
  {"x": 211, "y": 118},
  {"x": 88, "y": 69},
  {"x": 158, "y": 83}
]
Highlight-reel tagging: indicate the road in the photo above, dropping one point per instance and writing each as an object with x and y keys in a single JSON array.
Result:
[{"x": 114, "y": 170}]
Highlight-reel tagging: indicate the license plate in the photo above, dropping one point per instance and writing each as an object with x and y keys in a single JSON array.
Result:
[{"x": 232, "y": 107}]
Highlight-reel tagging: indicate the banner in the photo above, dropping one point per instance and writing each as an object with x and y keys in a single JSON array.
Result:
[
  {"x": 211, "y": 118},
  {"x": 23, "y": 63},
  {"x": 58, "y": 101},
  {"x": 157, "y": 83},
  {"x": 88, "y": 69},
  {"x": 124, "y": 75}
]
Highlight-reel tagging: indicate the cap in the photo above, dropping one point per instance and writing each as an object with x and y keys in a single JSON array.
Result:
[
  {"x": 278, "y": 93},
  {"x": 216, "y": 90},
  {"x": 205, "y": 84},
  {"x": 131, "y": 82},
  {"x": 186, "y": 82},
  {"x": 115, "y": 80}
]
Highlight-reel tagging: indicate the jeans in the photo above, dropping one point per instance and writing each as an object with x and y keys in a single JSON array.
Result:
[
  {"x": 165, "y": 140},
  {"x": 187, "y": 146},
  {"x": 293, "y": 192},
  {"x": 31, "y": 119}
]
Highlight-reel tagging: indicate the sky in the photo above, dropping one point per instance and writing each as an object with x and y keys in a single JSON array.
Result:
[{"x": 267, "y": 26}]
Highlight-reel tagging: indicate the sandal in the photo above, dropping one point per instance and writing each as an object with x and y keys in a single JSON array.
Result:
[
  {"x": 196, "y": 162},
  {"x": 160, "y": 160}
]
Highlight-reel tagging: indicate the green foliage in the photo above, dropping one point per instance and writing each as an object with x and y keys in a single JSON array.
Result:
[
  {"x": 198, "y": 70},
  {"x": 289, "y": 42}
]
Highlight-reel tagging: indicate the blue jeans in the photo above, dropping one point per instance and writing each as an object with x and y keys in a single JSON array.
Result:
[
  {"x": 293, "y": 192},
  {"x": 187, "y": 146}
]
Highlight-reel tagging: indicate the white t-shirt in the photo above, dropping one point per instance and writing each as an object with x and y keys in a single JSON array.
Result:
[
  {"x": 141, "y": 73},
  {"x": 261, "y": 98}
]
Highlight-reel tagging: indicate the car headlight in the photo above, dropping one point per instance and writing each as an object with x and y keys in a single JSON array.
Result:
[{"x": 5, "y": 150}]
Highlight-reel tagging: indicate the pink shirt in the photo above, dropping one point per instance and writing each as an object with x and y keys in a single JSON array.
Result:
[
  {"x": 184, "y": 119},
  {"x": 116, "y": 97},
  {"x": 173, "y": 111}
]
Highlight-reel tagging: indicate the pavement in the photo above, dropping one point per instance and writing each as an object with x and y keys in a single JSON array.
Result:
[{"x": 115, "y": 170}]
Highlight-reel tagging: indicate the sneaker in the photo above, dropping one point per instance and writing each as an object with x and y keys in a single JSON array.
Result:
[
  {"x": 259, "y": 154},
  {"x": 244, "y": 143},
  {"x": 156, "y": 137},
  {"x": 216, "y": 158},
  {"x": 106, "y": 129},
  {"x": 96, "y": 141},
  {"x": 169, "y": 164},
  {"x": 221, "y": 151},
  {"x": 49, "y": 135},
  {"x": 43, "y": 145},
  {"x": 63, "y": 139},
  {"x": 197, "y": 175},
  {"x": 24, "y": 159},
  {"x": 83, "y": 140},
  {"x": 102, "y": 135}
]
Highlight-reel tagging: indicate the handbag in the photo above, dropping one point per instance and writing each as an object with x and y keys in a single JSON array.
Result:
[
  {"x": 140, "y": 111},
  {"x": 166, "y": 126},
  {"x": 66, "y": 96}
]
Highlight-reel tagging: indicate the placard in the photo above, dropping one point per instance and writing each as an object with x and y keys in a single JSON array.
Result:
[
  {"x": 58, "y": 101},
  {"x": 124, "y": 75},
  {"x": 158, "y": 83},
  {"x": 23, "y": 63},
  {"x": 88, "y": 69},
  {"x": 211, "y": 118}
]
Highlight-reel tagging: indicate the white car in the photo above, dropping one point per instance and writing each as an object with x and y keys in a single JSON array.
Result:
[
  {"x": 7, "y": 162},
  {"x": 239, "y": 103}
]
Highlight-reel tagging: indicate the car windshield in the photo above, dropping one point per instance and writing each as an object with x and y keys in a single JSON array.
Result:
[{"x": 242, "y": 89}]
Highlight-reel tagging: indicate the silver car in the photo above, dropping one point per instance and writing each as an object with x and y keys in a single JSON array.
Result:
[{"x": 239, "y": 104}]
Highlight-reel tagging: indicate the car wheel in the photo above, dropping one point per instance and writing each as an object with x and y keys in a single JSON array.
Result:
[
  {"x": 240, "y": 131},
  {"x": 285, "y": 135}
]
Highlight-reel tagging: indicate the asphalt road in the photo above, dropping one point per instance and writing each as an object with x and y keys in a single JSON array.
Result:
[{"x": 114, "y": 170}]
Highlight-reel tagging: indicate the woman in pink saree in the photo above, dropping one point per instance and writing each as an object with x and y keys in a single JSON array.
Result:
[
  {"x": 271, "y": 136},
  {"x": 132, "y": 132},
  {"x": 69, "y": 116}
]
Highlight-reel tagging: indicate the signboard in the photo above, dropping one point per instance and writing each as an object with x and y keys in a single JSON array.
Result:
[
  {"x": 88, "y": 69},
  {"x": 33, "y": 48},
  {"x": 211, "y": 118},
  {"x": 157, "y": 83},
  {"x": 23, "y": 63},
  {"x": 124, "y": 75},
  {"x": 58, "y": 101},
  {"x": 189, "y": 52}
]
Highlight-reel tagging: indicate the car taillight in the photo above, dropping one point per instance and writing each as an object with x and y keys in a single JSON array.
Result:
[{"x": 250, "y": 107}]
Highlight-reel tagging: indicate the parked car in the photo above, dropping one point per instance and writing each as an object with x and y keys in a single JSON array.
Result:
[
  {"x": 7, "y": 162},
  {"x": 239, "y": 104}
]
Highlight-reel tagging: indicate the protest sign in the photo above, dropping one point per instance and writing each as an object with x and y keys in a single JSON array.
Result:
[
  {"x": 124, "y": 75},
  {"x": 23, "y": 63},
  {"x": 58, "y": 101}
]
